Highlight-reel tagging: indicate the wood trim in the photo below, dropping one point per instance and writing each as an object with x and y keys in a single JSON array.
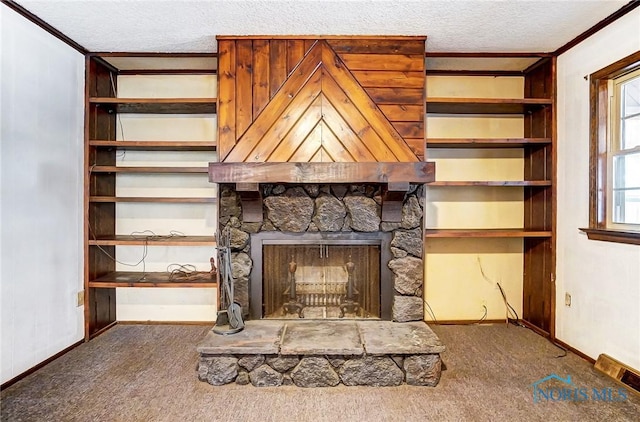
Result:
[
  {"x": 493, "y": 183},
  {"x": 618, "y": 68},
  {"x": 608, "y": 235},
  {"x": 498, "y": 233},
  {"x": 474, "y": 72},
  {"x": 598, "y": 26},
  {"x": 102, "y": 330},
  {"x": 147, "y": 54},
  {"x": 42, "y": 24},
  {"x": 598, "y": 147},
  {"x": 208, "y": 323},
  {"x": 348, "y": 172},
  {"x": 573, "y": 350},
  {"x": 466, "y": 322},
  {"x": 485, "y": 54},
  {"x": 168, "y": 72},
  {"x": 535, "y": 329},
  {"x": 323, "y": 37},
  {"x": 42, "y": 364}
]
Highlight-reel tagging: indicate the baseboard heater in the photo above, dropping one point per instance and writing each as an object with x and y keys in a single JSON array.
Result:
[{"x": 620, "y": 372}]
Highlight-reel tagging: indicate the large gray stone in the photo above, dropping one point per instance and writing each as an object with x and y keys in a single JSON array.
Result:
[
  {"x": 229, "y": 205},
  {"x": 411, "y": 213},
  {"x": 407, "y": 275},
  {"x": 319, "y": 338},
  {"x": 314, "y": 372},
  {"x": 242, "y": 378},
  {"x": 407, "y": 338},
  {"x": 265, "y": 376},
  {"x": 371, "y": 371},
  {"x": 423, "y": 369},
  {"x": 330, "y": 212},
  {"x": 238, "y": 239},
  {"x": 283, "y": 363},
  {"x": 408, "y": 240},
  {"x": 220, "y": 369},
  {"x": 258, "y": 337},
  {"x": 240, "y": 269},
  {"x": 312, "y": 189},
  {"x": 251, "y": 227},
  {"x": 407, "y": 308},
  {"x": 290, "y": 212},
  {"x": 251, "y": 362},
  {"x": 398, "y": 253},
  {"x": 364, "y": 213}
]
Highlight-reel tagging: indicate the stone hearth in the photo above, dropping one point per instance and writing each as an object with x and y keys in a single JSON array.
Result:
[{"x": 270, "y": 353}]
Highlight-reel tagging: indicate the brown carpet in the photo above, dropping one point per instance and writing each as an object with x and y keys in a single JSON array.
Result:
[{"x": 147, "y": 373}]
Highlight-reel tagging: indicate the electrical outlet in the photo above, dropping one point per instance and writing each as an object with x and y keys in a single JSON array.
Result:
[
  {"x": 80, "y": 299},
  {"x": 567, "y": 299}
]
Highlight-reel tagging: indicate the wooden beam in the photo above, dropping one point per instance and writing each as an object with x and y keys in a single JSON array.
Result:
[{"x": 364, "y": 172}]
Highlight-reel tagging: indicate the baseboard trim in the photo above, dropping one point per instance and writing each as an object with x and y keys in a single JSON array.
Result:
[
  {"x": 40, "y": 365},
  {"x": 102, "y": 330},
  {"x": 209, "y": 323},
  {"x": 536, "y": 329},
  {"x": 574, "y": 350},
  {"x": 466, "y": 322}
]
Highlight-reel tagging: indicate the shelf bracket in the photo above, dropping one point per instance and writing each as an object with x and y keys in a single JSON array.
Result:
[
  {"x": 392, "y": 200},
  {"x": 251, "y": 200}
]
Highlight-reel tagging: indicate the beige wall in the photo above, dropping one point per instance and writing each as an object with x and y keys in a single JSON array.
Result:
[
  {"x": 189, "y": 304},
  {"x": 455, "y": 287}
]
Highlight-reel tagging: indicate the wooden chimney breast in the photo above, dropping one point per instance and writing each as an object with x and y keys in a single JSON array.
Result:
[{"x": 329, "y": 99}]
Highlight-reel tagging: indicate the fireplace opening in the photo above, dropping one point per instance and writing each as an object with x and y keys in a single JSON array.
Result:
[{"x": 321, "y": 276}]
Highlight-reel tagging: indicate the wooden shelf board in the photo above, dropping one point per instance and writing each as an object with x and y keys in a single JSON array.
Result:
[
  {"x": 176, "y": 200},
  {"x": 128, "y": 240},
  {"x": 125, "y": 169},
  {"x": 157, "y": 105},
  {"x": 515, "y": 183},
  {"x": 462, "y": 233},
  {"x": 157, "y": 145},
  {"x": 486, "y": 143},
  {"x": 152, "y": 279},
  {"x": 453, "y": 105}
]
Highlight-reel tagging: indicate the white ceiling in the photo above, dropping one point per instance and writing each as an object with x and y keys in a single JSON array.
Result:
[{"x": 450, "y": 25}]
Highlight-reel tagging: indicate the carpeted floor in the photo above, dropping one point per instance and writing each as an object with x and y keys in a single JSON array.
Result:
[{"x": 147, "y": 373}]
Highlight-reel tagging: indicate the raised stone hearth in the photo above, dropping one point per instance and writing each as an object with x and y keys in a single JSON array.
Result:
[{"x": 270, "y": 353}]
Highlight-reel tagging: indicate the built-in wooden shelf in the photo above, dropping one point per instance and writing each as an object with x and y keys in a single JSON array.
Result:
[
  {"x": 157, "y": 105},
  {"x": 486, "y": 142},
  {"x": 514, "y": 183},
  {"x": 153, "y": 279},
  {"x": 160, "y": 240},
  {"x": 157, "y": 145},
  {"x": 462, "y": 233},
  {"x": 172, "y": 200},
  {"x": 132, "y": 169},
  {"x": 453, "y": 105}
]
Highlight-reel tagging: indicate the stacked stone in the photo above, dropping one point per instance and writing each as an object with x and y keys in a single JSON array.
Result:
[
  {"x": 333, "y": 208},
  {"x": 321, "y": 371}
]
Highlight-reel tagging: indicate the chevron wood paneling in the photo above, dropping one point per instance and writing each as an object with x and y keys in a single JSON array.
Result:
[{"x": 330, "y": 100}]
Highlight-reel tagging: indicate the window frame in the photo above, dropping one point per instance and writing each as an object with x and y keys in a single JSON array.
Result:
[{"x": 600, "y": 133}]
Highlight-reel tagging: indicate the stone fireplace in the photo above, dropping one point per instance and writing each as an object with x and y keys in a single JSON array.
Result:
[
  {"x": 321, "y": 171},
  {"x": 322, "y": 231}
]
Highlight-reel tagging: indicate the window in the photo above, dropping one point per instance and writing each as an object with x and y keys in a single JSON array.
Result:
[
  {"x": 624, "y": 153},
  {"x": 615, "y": 152}
]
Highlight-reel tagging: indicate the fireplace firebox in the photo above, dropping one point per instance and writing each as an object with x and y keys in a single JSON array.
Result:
[{"x": 321, "y": 276}]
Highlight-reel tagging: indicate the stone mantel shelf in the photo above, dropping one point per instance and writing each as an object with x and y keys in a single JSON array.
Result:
[{"x": 357, "y": 172}]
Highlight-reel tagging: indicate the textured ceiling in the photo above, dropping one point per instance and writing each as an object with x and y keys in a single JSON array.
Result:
[{"x": 191, "y": 26}]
